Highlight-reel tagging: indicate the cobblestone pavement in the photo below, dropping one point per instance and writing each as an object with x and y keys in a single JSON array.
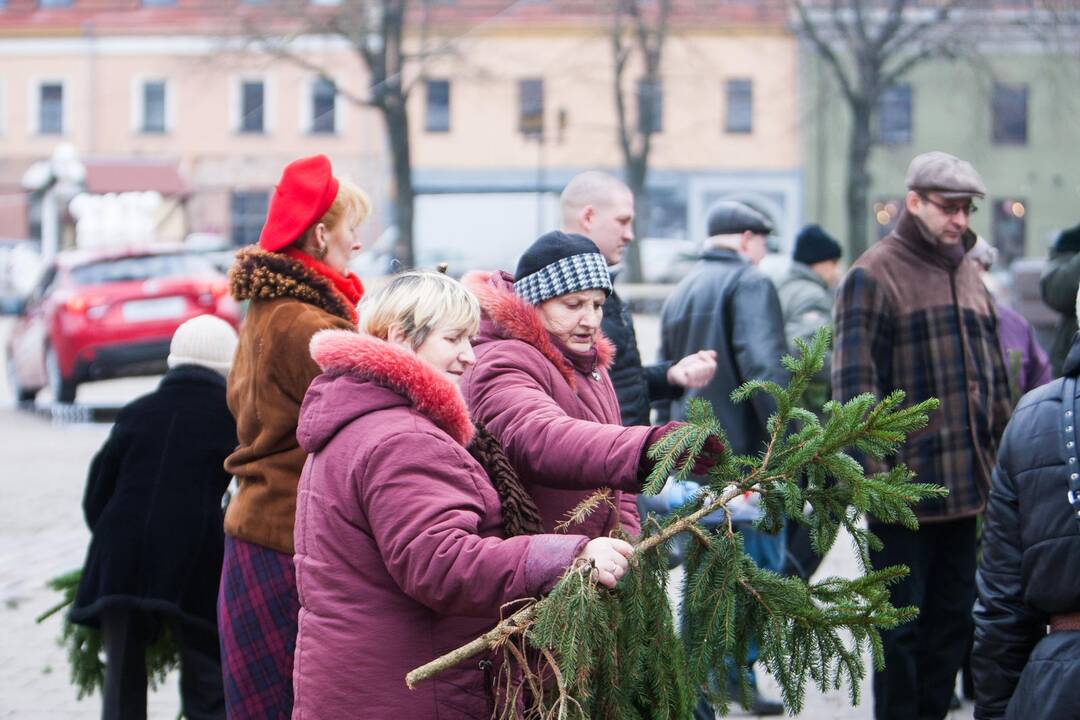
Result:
[{"x": 42, "y": 534}]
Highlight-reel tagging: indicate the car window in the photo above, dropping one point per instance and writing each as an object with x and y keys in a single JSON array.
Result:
[{"x": 145, "y": 267}]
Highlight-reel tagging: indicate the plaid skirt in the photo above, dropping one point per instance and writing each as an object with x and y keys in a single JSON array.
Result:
[{"x": 257, "y": 618}]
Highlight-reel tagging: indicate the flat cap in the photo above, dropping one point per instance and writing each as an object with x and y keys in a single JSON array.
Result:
[
  {"x": 730, "y": 217},
  {"x": 946, "y": 174}
]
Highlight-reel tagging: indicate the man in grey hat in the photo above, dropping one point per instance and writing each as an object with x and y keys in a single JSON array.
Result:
[
  {"x": 911, "y": 315},
  {"x": 725, "y": 304}
]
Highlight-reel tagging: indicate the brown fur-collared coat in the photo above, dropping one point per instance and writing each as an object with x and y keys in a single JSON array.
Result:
[{"x": 271, "y": 373}]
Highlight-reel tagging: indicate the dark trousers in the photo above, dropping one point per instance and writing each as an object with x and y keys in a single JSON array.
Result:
[
  {"x": 922, "y": 656},
  {"x": 126, "y": 634}
]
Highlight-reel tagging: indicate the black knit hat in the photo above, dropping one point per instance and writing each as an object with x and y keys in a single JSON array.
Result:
[
  {"x": 1068, "y": 240},
  {"x": 814, "y": 245},
  {"x": 560, "y": 263}
]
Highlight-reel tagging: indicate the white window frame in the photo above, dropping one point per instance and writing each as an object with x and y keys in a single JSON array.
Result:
[
  {"x": 236, "y": 102},
  {"x": 35, "y": 105},
  {"x": 138, "y": 83},
  {"x": 307, "y": 105}
]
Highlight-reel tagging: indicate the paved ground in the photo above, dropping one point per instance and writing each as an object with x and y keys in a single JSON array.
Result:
[{"x": 42, "y": 534}]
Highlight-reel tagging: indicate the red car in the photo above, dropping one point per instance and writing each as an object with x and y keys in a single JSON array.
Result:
[{"x": 109, "y": 314}]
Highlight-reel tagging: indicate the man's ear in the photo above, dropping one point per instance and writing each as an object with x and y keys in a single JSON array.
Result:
[
  {"x": 911, "y": 201},
  {"x": 745, "y": 239},
  {"x": 585, "y": 218}
]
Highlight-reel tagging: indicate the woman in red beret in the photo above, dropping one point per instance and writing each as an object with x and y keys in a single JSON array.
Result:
[{"x": 298, "y": 282}]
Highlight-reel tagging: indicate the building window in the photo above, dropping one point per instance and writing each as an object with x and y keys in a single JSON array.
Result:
[
  {"x": 158, "y": 3},
  {"x": 886, "y": 214},
  {"x": 650, "y": 106},
  {"x": 1009, "y": 229},
  {"x": 1009, "y": 111},
  {"x": 323, "y": 106},
  {"x": 46, "y": 4},
  {"x": 739, "y": 115},
  {"x": 51, "y": 108},
  {"x": 247, "y": 212},
  {"x": 252, "y": 105},
  {"x": 894, "y": 115},
  {"x": 531, "y": 107},
  {"x": 153, "y": 107},
  {"x": 437, "y": 107}
]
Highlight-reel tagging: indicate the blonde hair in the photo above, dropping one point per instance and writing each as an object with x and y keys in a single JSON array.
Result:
[
  {"x": 350, "y": 200},
  {"x": 419, "y": 301}
]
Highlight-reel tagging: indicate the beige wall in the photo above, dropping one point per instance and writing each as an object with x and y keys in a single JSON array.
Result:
[
  {"x": 102, "y": 97},
  {"x": 577, "y": 72}
]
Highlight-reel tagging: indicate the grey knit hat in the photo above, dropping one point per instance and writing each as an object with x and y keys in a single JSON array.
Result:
[
  {"x": 560, "y": 263},
  {"x": 206, "y": 340}
]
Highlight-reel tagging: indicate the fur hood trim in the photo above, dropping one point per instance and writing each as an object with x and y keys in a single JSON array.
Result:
[
  {"x": 260, "y": 275},
  {"x": 519, "y": 320},
  {"x": 340, "y": 352}
]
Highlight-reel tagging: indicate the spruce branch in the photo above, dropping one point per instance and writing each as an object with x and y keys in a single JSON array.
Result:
[{"x": 616, "y": 654}]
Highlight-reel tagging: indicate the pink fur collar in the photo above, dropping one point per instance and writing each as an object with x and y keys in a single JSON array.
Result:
[
  {"x": 342, "y": 351},
  {"x": 517, "y": 319}
]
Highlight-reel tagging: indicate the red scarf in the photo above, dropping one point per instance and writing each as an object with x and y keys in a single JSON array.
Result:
[{"x": 348, "y": 285}]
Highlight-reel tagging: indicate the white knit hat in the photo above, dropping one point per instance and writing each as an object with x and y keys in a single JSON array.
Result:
[{"x": 205, "y": 340}]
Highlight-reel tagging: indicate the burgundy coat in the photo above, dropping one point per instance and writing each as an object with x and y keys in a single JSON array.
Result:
[
  {"x": 554, "y": 411},
  {"x": 399, "y": 549}
]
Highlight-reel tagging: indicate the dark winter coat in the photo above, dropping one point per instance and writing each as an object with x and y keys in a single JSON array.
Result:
[
  {"x": 153, "y": 503},
  {"x": 636, "y": 386},
  {"x": 911, "y": 315},
  {"x": 1059, "y": 283},
  {"x": 726, "y": 305},
  {"x": 1029, "y": 570},
  {"x": 554, "y": 411},
  {"x": 271, "y": 373},
  {"x": 400, "y": 555}
]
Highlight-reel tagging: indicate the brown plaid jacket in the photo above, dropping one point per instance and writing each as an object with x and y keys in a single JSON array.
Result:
[{"x": 911, "y": 315}]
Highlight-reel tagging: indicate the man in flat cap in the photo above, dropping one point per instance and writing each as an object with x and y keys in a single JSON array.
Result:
[
  {"x": 725, "y": 304},
  {"x": 911, "y": 315}
]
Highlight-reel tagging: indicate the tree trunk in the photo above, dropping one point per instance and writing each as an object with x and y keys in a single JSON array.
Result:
[
  {"x": 858, "y": 180},
  {"x": 397, "y": 129},
  {"x": 637, "y": 169}
]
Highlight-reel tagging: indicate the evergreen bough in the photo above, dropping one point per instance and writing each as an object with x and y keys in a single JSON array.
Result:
[
  {"x": 86, "y": 647},
  {"x": 587, "y": 652}
]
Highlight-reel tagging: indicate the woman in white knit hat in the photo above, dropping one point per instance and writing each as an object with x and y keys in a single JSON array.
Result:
[{"x": 153, "y": 505}]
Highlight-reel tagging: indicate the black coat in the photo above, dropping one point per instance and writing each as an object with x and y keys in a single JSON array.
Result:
[
  {"x": 153, "y": 503},
  {"x": 635, "y": 386},
  {"x": 1030, "y": 569},
  {"x": 727, "y": 305}
]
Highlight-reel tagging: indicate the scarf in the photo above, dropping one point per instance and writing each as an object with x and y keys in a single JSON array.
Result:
[{"x": 348, "y": 285}]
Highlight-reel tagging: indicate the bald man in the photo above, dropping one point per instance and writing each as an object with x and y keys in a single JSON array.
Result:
[{"x": 601, "y": 207}]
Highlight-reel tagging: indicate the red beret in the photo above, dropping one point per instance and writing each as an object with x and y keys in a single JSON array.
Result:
[{"x": 303, "y": 195}]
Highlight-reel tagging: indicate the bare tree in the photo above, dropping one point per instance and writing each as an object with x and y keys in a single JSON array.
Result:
[
  {"x": 869, "y": 45},
  {"x": 638, "y": 32},
  {"x": 375, "y": 31}
]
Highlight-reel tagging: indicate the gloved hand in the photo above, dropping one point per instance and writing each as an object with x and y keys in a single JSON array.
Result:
[
  {"x": 706, "y": 460},
  {"x": 678, "y": 493},
  {"x": 709, "y": 456}
]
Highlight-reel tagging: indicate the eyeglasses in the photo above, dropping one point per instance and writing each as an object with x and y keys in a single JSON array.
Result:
[{"x": 950, "y": 209}]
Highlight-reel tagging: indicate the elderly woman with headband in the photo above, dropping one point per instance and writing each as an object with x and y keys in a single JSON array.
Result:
[{"x": 541, "y": 385}]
